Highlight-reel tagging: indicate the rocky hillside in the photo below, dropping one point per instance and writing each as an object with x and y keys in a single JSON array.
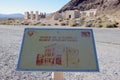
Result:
[
  {"x": 108, "y": 12},
  {"x": 101, "y": 5}
]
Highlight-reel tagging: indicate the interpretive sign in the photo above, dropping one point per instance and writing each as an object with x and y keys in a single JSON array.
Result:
[{"x": 58, "y": 49}]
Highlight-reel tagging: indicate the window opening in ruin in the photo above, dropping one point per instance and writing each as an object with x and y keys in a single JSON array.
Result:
[{"x": 69, "y": 16}]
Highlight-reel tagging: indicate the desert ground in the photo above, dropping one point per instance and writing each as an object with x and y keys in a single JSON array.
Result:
[{"x": 108, "y": 51}]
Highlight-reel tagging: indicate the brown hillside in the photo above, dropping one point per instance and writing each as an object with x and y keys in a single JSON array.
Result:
[{"x": 101, "y": 5}]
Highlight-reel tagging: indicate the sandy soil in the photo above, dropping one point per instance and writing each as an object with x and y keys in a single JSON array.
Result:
[{"x": 108, "y": 51}]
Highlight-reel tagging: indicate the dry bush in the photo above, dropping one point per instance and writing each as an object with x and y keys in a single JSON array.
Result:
[
  {"x": 88, "y": 24},
  {"x": 73, "y": 24},
  {"x": 6, "y": 22},
  {"x": 43, "y": 24},
  {"x": 63, "y": 24},
  {"x": 56, "y": 24},
  {"x": 49, "y": 24}
]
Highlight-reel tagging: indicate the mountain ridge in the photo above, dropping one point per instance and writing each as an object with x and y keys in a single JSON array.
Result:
[{"x": 14, "y": 16}]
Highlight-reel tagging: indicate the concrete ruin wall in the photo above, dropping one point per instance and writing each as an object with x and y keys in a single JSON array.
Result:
[
  {"x": 89, "y": 13},
  {"x": 34, "y": 16},
  {"x": 67, "y": 15},
  {"x": 73, "y": 14}
]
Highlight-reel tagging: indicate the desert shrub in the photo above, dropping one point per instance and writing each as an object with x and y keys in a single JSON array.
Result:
[
  {"x": 25, "y": 24},
  {"x": 60, "y": 20},
  {"x": 99, "y": 19},
  {"x": 100, "y": 26},
  {"x": 37, "y": 23},
  {"x": 116, "y": 24},
  {"x": 63, "y": 24},
  {"x": 30, "y": 23},
  {"x": 56, "y": 24},
  {"x": 109, "y": 24},
  {"x": 43, "y": 24},
  {"x": 112, "y": 25},
  {"x": 73, "y": 24},
  {"x": 104, "y": 24},
  {"x": 88, "y": 24},
  {"x": 49, "y": 24},
  {"x": 6, "y": 22},
  {"x": 97, "y": 24}
]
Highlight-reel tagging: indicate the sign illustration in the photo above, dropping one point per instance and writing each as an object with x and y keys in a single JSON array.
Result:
[{"x": 49, "y": 49}]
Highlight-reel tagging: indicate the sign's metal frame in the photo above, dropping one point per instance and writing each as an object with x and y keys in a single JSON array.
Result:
[{"x": 93, "y": 41}]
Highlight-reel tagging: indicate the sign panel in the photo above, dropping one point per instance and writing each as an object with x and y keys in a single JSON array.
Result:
[{"x": 50, "y": 49}]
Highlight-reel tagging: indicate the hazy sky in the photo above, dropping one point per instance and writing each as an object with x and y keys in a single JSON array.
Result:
[{"x": 20, "y": 6}]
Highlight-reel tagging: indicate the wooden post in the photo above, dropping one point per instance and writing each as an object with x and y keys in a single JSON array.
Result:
[{"x": 57, "y": 76}]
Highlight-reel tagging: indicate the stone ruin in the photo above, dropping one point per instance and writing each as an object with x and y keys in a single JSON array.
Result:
[
  {"x": 74, "y": 14},
  {"x": 34, "y": 16}
]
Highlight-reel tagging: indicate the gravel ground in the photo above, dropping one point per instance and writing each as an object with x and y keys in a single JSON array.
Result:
[{"x": 108, "y": 51}]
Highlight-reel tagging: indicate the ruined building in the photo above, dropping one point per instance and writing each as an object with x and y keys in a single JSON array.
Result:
[
  {"x": 34, "y": 16},
  {"x": 74, "y": 14}
]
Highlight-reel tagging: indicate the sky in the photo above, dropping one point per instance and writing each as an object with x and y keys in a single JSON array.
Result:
[{"x": 21, "y": 6}]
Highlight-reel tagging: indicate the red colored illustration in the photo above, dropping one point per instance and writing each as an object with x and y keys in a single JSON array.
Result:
[{"x": 58, "y": 55}]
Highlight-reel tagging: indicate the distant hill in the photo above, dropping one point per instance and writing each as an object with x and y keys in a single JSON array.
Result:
[{"x": 13, "y": 16}]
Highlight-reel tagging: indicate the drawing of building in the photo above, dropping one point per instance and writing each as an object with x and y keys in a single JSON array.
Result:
[{"x": 59, "y": 55}]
